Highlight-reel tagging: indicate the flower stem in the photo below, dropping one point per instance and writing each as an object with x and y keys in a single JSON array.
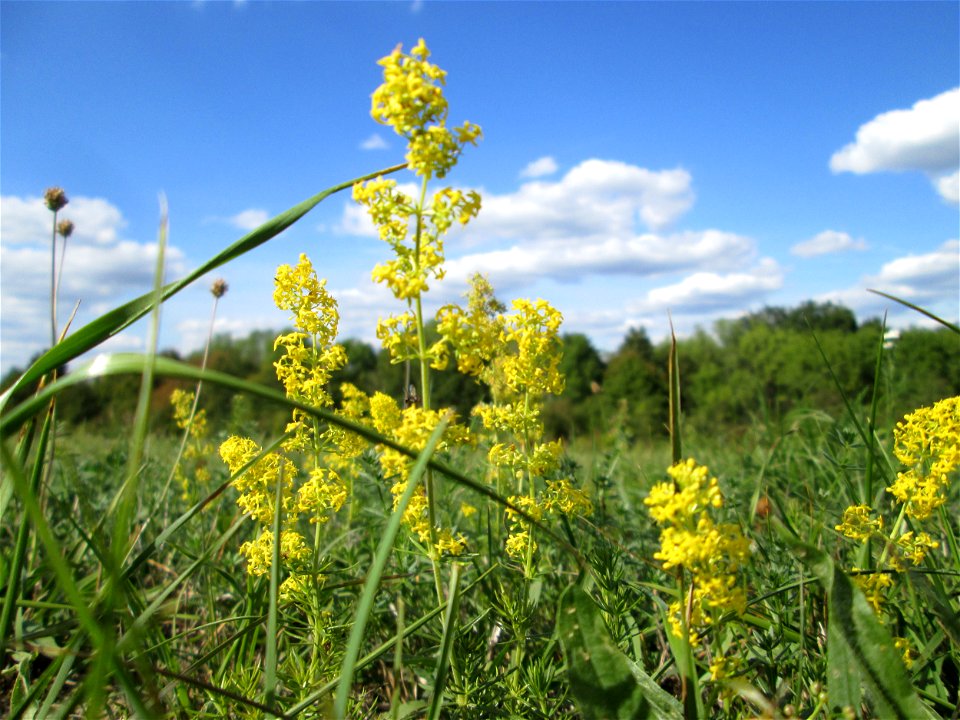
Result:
[{"x": 53, "y": 283}]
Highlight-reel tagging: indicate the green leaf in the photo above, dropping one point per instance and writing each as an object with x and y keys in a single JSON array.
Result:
[
  {"x": 604, "y": 682},
  {"x": 860, "y": 652}
]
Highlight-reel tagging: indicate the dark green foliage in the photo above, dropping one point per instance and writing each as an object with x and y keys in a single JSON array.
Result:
[{"x": 761, "y": 367}]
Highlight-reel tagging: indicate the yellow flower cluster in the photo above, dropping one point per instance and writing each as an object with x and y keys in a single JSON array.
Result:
[
  {"x": 709, "y": 553},
  {"x": 518, "y": 356},
  {"x": 927, "y": 442},
  {"x": 411, "y": 101},
  {"x": 197, "y": 447},
  {"x": 412, "y": 427},
  {"x": 873, "y": 585},
  {"x": 398, "y": 336},
  {"x": 533, "y": 329},
  {"x": 310, "y": 357},
  {"x": 418, "y": 257},
  {"x": 474, "y": 332},
  {"x": 857, "y": 523}
]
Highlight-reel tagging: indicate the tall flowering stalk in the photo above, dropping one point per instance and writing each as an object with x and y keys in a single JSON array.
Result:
[
  {"x": 55, "y": 199},
  {"x": 927, "y": 444},
  {"x": 310, "y": 357},
  {"x": 194, "y": 445},
  {"x": 518, "y": 356},
  {"x": 411, "y": 101}
]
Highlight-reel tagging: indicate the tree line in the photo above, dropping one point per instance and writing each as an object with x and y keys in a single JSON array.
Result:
[{"x": 760, "y": 367}]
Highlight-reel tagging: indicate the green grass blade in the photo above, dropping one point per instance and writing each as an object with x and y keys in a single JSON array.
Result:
[
  {"x": 376, "y": 571},
  {"x": 919, "y": 309},
  {"x": 864, "y": 436},
  {"x": 160, "y": 598},
  {"x": 56, "y": 558},
  {"x": 860, "y": 650},
  {"x": 270, "y": 656},
  {"x": 446, "y": 643},
  {"x": 17, "y": 561},
  {"x": 602, "y": 679},
  {"x": 111, "y": 323}
]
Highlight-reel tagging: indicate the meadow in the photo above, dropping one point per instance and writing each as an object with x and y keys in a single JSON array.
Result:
[{"x": 539, "y": 553}]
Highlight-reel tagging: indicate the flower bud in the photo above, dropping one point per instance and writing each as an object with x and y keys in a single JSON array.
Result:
[
  {"x": 65, "y": 228},
  {"x": 55, "y": 198},
  {"x": 219, "y": 288}
]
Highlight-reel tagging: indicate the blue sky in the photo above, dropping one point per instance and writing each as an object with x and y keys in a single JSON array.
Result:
[{"x": 705, "y": 159}]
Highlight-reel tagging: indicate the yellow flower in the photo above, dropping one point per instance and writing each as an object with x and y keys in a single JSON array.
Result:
[
  {"x": 517, "y": 543},
  {"x": 474, "y": 334},
  {"x": 259, "y": 552},
  {"x": 873, "y": 585},
  {"x": 533, "y": 329},
  {"x": 690, "y": 540},
  {"x": 411, "y": 101},
  {"x": 323, "y": 491},
  {"x": 927, "y": 442},
  {"x": 857, "y": 523},
  {"x": 906, "y": 650},
  {"x": 916, "y": 546}
]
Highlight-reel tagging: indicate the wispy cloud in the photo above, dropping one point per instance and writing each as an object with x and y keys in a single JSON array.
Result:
[
  {"x": 828, "y": 241},
  {"x": 249, "y": 219},
  {"x": 540, "y": 167},
  {"x": 374, "y": 142},
  {"x": 924, "y": 138}
]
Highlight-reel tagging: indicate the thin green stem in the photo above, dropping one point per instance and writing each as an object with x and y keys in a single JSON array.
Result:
[{"x": 53, "y": 283}]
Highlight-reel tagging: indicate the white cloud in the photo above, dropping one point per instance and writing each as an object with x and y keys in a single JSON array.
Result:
[
  {"x": 924, "y": 275},
  {"x": 641, "y": 255},
  {"x": 356, "y": 221},
  {"x": 540, "y": 168},
  {"x": 374, "y": 142},
  {"x": 925, "y": 137},
  {"x": 949, "y": 187},
  {"x": 193, "y": 331},
  {"x": 828, "y": 241},
  {"x": 100, "y": 269},
  {"x": 709, "y": 290},
  {"x": 584, "y": 224},
  {"x": 249, "y": 219},
  {"x": 597, "y": 197}
]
